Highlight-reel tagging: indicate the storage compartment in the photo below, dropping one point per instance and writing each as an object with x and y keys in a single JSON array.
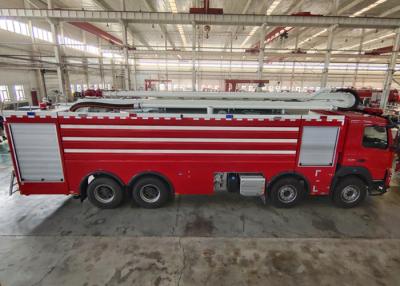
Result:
[
  {"x": 252, "y": 185},
  {"x": 318, "y": 145},
  {"x": 37, "y": 152}
]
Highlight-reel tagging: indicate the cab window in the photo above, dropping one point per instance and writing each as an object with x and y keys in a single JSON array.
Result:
[{"x": 375, "y": 137}]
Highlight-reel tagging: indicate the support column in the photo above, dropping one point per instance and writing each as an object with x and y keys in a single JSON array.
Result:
[
  {"x": 391, "y": 69},
  {"x": 230, "y": 57},
  {"x": 261, "y": 53},
  {"x": 166, "y": 61},
  {"x": 36, "y": 53},
  {"x": 126, "y": 55},
  {"x": 194, "y": 40},
  {"x": 85, "y": 60},
  {"x": 67, "y": 84},
  {"x": 57, "y": 55},
  {"x": 296, "y": 46},
  {"x": 39, "y": 78},
  {"x": 126, "y": 50},
  {"x": 101, "y": 67},
  {"x": 114, "y": 75},
  {"x": 328, "y": 54},
  {"x": 360, "y": 47}
]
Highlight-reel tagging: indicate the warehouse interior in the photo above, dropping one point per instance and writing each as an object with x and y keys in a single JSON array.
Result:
[{"x": 56, "y": 53}]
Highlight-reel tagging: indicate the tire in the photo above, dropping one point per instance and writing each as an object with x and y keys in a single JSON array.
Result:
[
  {"x": 105, "y": 193},
  {"x": 286, "y": 192},
  {"x": 349, "y": 192},
  {"x": 151, "y": 192}
]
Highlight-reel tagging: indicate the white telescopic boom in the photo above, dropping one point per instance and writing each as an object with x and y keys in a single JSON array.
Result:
[{"x": 323, "y": 99}]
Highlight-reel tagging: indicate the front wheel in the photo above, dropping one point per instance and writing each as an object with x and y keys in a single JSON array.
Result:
[
  {"x": 286, "y": 192},
  {"x": 349, "y": 192}
]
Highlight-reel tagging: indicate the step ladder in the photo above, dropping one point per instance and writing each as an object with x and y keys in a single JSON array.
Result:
[{"x": 13, "y": 183}]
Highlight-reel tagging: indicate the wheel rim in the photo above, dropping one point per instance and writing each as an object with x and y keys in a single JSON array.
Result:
[
  {"x": 287, "y": 194},
  {"x": 104, "y": 193},
  {"x": 149, "y": 193},
  {"x": 350, "y": 194}
]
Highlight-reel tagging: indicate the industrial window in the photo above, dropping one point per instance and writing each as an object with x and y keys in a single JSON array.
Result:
[
  {"x": 92, "y": 49},
  {"x": 72, "y": 88},
  {"x": 3, "y": 24},
  {"x": 19, "y": 92},
  {"x": 42, "y": 34},
  {"x": 4, "y": 94},
  {"x": 85, "y": 87},
  {"x": 78, "y": 88},
  {"x": 17, "y": 27},
  {"x": 14, "y": 26},
  {"x": 375, "y": 137},
  {"x": 10, "y": 26},
  {"x": 24, "y": 29}
]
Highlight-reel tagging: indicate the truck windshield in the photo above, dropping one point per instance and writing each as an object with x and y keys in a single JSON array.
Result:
[{"x": 375, "y": 137}]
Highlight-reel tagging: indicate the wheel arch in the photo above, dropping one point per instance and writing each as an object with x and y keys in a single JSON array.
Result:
[
  {"x": 288, "y": 174},
  {"x": 357, "y": 171},
  {"x": 99, "y": 173}
]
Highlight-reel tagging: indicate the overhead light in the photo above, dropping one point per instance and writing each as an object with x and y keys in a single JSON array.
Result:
[
  {"x": 182, "y": 33},
  {"x": 368, "y": 42},
  {"x": 369, "y": 7},
  {"x": 272, "y": 7},
  {"x": 172, "y": 5},
  {"x": 312, "y": 37},
  {"x": 252, "y": 32}
]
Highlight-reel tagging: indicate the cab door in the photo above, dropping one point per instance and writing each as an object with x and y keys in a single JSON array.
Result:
[
  {"x": 367, "y": 146},
  {"x": 374, "y": 153}
]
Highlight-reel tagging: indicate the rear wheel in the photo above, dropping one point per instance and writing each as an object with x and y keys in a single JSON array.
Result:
[
  {"x": 150, "y": 192},
  {"x": 105, "y": 193},
  {"x": 349, "y": 192},
  {"x": 286, "y": 192}
]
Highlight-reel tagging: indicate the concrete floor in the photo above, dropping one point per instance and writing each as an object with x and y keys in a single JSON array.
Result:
[{"x": 218, "y": 240}]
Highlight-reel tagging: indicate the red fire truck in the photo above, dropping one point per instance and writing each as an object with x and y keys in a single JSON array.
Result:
[{"x": 153, "y": 157}]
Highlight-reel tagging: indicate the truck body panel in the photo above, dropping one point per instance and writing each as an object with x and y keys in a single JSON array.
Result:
[{"x": 189, "y": 150}]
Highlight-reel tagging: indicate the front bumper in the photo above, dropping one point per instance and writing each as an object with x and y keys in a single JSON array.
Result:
[{"x": 378, "y": 188}]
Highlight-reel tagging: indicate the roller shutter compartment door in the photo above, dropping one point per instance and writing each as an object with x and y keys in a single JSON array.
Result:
[
  {"x": 37, "y": 152},
  {"x": 318, "y": 146}
]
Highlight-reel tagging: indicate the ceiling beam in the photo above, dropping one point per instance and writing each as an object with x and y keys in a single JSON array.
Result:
[
  {"x": 384, "y": 14},
  {"x": 339, "y": 11},
  {"x": 133, "y": 34},
  {"x": 162, "y": 27},
  {"x": 186, "y": 18},
  {"x": 294, "y": 7},
  {"x": 236, "y": 29},
  {"x": 103, "y": 5}
]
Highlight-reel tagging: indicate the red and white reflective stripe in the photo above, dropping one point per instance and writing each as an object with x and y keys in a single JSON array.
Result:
[
  {"x": 203, "y": 140},
  {"x": 169, "y": 151},
  {"x": 176, "y": 127}
]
